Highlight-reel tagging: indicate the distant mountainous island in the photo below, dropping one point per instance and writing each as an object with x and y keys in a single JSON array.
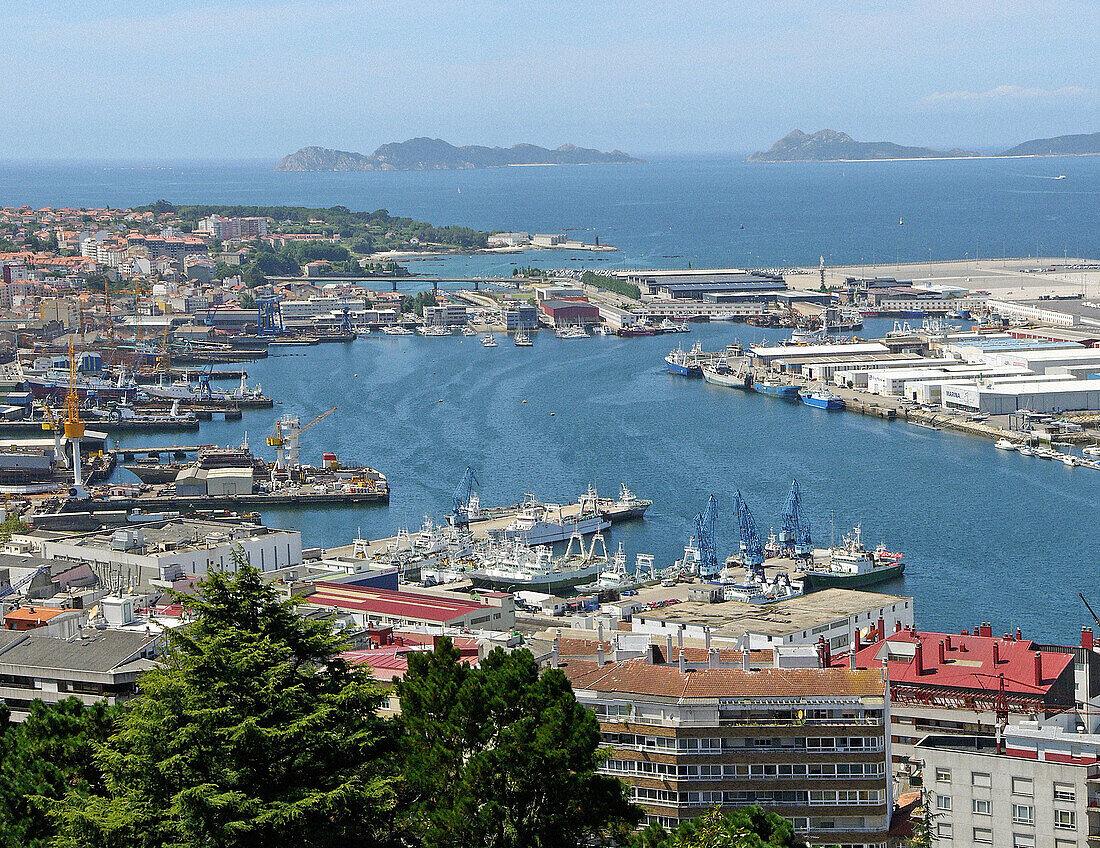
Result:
[
  {"x": 1062, "y": 145},
  {"x": 830, "y": 145},
  {"x": 826, "y": 145},
  {"x": 433, "y": 154}
]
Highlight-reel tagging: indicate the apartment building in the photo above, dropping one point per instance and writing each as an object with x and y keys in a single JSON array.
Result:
[
  {"x": 807, "y": 743},
  {"x": 1038, "y": 785},
  {"x": 225, "y": 229}
]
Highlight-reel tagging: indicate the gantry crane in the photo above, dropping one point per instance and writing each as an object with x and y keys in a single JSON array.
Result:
[
  {"x": 284, "y": 438},
  {"x": 794, "y": 537},
  {"x": 460, "y": 500},
  {"x": 704, "y": 538},
  {"x": 752, "y": 552}
]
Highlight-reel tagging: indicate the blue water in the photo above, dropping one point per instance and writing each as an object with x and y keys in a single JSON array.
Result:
[
  {"x": 987, "y": 536},
  {"x": 664, "y": 213}
]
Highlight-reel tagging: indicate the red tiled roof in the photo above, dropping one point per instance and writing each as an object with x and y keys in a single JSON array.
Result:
[
  {"x": 639, "y": 677},
  {"x": 396, "y": 604},
  {"x": 968, "y": 662}
]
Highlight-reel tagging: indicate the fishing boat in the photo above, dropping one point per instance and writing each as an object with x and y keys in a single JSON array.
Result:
[
  {"x": 489, "y": 340},
  {"x": 521, "y": 339},
  {"x": 184, "y": 389},
  {"x": 517, "y": 566},
  {"x": 774, "y": 387},
  {"x": 851, "y": 565},
  {"x": 1005, "y": 445},
  {"x": 721, "y": 374},
  {"x": 616, "y": 578},
  {"x": 686, "y": 363},
  {"x": 537, "y": 523},
  {"x": 822, "y": 398}
]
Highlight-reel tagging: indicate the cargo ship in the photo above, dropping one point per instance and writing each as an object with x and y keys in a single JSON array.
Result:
[
  {"x": 518, "y": 566},
  {"x": 851, "y": 566},
  {"x": 537, "y": 523}
]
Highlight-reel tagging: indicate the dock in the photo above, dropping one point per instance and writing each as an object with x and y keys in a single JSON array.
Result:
[{"x": 160, "y": 502}]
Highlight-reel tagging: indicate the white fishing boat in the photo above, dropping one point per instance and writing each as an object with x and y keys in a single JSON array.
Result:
[
  {"x": 514, "y": 566},
  {"x": 537, "y": 523}
]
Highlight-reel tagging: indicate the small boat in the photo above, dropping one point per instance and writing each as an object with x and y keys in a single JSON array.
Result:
[
  {"x": 1026, "y": 451},
  {"x": 822, "y": 398},
  {"x": 397, "y": 330},
  {"x": 522, "y": 339},
  {"x": 1070, "y": 460},
  {"x": 467, "y": 330},
  {"x": 574, "y": 332},
  {"x": 926, "y": 425},
  {"x": 489, "y": 340},
  {"x": 1093, "y": 451},
  {"x": 1005, "y": 445}
]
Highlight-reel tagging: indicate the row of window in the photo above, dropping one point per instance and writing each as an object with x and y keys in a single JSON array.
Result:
[
  {"x": 718, "y": 744},
  {"x": 817, "y": 798},
  {"x": 1021, "y": 786},
  {"x": 743, "y": 771},
  {"x": 1021, "y": 813},
  {"x": 984, "y": 836}
]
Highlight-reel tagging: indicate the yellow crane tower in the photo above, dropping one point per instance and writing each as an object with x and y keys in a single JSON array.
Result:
[
  {"x": 284, "y": 438},
  {"x": 74, "y": 427}
]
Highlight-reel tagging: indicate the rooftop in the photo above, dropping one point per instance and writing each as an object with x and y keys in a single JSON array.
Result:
[
  {"x": 735, "y": 618},
  {"x": 97, "y": 651},
  {"x": 639, "y": 677},
  {"x": 397, "y": 604}
]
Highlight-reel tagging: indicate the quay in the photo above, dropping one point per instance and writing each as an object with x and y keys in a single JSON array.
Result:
[{"x": 290, "y": 498}]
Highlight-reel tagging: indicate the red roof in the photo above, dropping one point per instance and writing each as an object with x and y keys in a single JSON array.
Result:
[
  {"x": 407, "y": 605},
  {"x": 968, "y": 662}
]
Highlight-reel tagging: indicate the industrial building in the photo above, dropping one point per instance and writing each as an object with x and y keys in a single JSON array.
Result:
[
  {"x": 795, "y": 358},
  {"x": 808, "y": 744},
  {"x": 696, "y": 285},
  {"x": 171, "y": 549},
  {"x": 570, "y": 312},
  {"x": 832, "y": 613},
  {"x": 367, "y": 606}
]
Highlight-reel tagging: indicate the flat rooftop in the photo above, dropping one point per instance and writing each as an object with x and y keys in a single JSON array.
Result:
[
  {"x": 735, "y": 618},
  {"x": 178, "y": 532}
]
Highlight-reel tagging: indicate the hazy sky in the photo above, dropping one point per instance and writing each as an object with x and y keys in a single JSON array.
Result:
[{"x": 238, "y": 78}]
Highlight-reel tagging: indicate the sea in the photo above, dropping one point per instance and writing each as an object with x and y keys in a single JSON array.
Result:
[{"x": 987, "y": 536}]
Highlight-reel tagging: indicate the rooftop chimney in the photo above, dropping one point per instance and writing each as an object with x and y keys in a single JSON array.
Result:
[
  {"x": 668, "y": 648},
  {"x": 712, "y": 658},
  {"x": 554, "y": 654},
  {"x": 1038, "y": 669},
  {"x": 897, "y": 627},
  {"x": 706, "y": 635},
  {"x": 918, "y": 659},
  {"x": 881, "y": 629},
  {"x": 1019, "y": 634},
  {"x": 943, "y": 653},
  {"x": 599, "y": 632},
  {"x": 996, "y": 652},
  {"x": 683, "y": 662},
  {"x": 947, "y": 642},
  {"x": 680, "y": 637},
  {"x": 851, "y": 659},
  {"x": 599, "y": 654},
  {"x": 1086, "y": 638},
  {"x": 987, "y": 628},
  {"x": 821, "y": 652},
  {"x": 746, "y": 658},
  {"x": 977, "y": 630}
]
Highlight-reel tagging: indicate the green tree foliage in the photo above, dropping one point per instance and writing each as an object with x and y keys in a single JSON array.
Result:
[
  {"x": 11, "y": 524},
  {"x": 722, "y": 827},
  {"x": 415, "y": 305},
  {"x": 252, "y": 733},
  {"x": 500, "y": 756},
  {"x": 247, "y": 301},
  {"x": 612, "y": 284},
  {"x": 43, "y": 759},
  {"x": 308, "y": 251},
  {"x": 528, "y": 271}
]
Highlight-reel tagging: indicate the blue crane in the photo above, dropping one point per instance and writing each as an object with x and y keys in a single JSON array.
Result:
[
  {"x": 704, "y": 538},
  {"x": 269, "y": 317},
  {"x": 752, "y": 551},
  {"x": 794, "y": 538},
  {"x": 460, "y": 500}
]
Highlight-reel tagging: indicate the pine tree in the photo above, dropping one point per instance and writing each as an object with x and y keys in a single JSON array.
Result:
[{"x": 252, "y": 733}]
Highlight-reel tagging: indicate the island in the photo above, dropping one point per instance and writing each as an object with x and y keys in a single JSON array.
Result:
[
  {"x": 831, "y": 146},
  {"x": 433, "y": 154},
  {"x": 1085, "y": 144}
]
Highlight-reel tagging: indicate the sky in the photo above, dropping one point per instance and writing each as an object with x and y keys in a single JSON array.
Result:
[{"x": 182, "y": 79}]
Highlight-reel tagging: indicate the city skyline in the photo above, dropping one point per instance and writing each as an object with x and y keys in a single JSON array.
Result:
[{"x": 249, "y": 78}]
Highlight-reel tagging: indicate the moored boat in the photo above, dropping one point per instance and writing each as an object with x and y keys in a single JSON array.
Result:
[{"x": 822, "y": 398}]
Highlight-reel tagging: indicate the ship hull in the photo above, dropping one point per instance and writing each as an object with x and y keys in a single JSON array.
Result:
[
  {"x": 547, "y": 533},
  {"x": 832, "y": 404},
  {"x": 815, "y": 580},
  {"x": 783, "y": 392},
  {"x": 730, "y": 381},
  {"x": 684, "y": 370},
  {"x": 549, "y": 583}
]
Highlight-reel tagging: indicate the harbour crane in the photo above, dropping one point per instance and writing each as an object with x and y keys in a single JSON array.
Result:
[
  {"x": 284, "y": 438},
  {"x": 74, "y": 427},
  {"x": 460, "y": 500},
  {"x": 752, "y": 551},
  {"x": 269, "y": 316},
  {"x": 50, "y": 422},
  {"x": 704, "y": 538},
  {"x": 794, "y": 537}
]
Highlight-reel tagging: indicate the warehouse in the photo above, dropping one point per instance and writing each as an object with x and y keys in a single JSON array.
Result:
[
  {"x": 566, "y": 312},
  {"x": 855, "y": 374},
  {"x": 1044, "y": 397},
  {"x": 953, "y": 393},
  {"x": 801, "y": 355},
  {"x": 978, "y": 349},
  {"x": 894, "y": 382},
  {"x": 367, "y": 605},
  {"x": 1042, "y": 361}
]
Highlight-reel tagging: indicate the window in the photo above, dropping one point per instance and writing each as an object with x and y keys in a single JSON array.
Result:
[
  {"x": 1065, "y": 819},
  {"x": 1064, "y": 792},
  {"x": 983, "y": 807},
  {"x": 1023, "y": 840},
  {"x": 943, "y": 775},
  {"x": 943, "y": 830},
  {"x": 1064, "y": 843},
  {"x": 943, "y": 802},
  {"x": 1023, "y": 814},
  {"x": 980, "y": 778},
  {"x": 1022, "y": 786},
  {"x": 983, "y": 834}
]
